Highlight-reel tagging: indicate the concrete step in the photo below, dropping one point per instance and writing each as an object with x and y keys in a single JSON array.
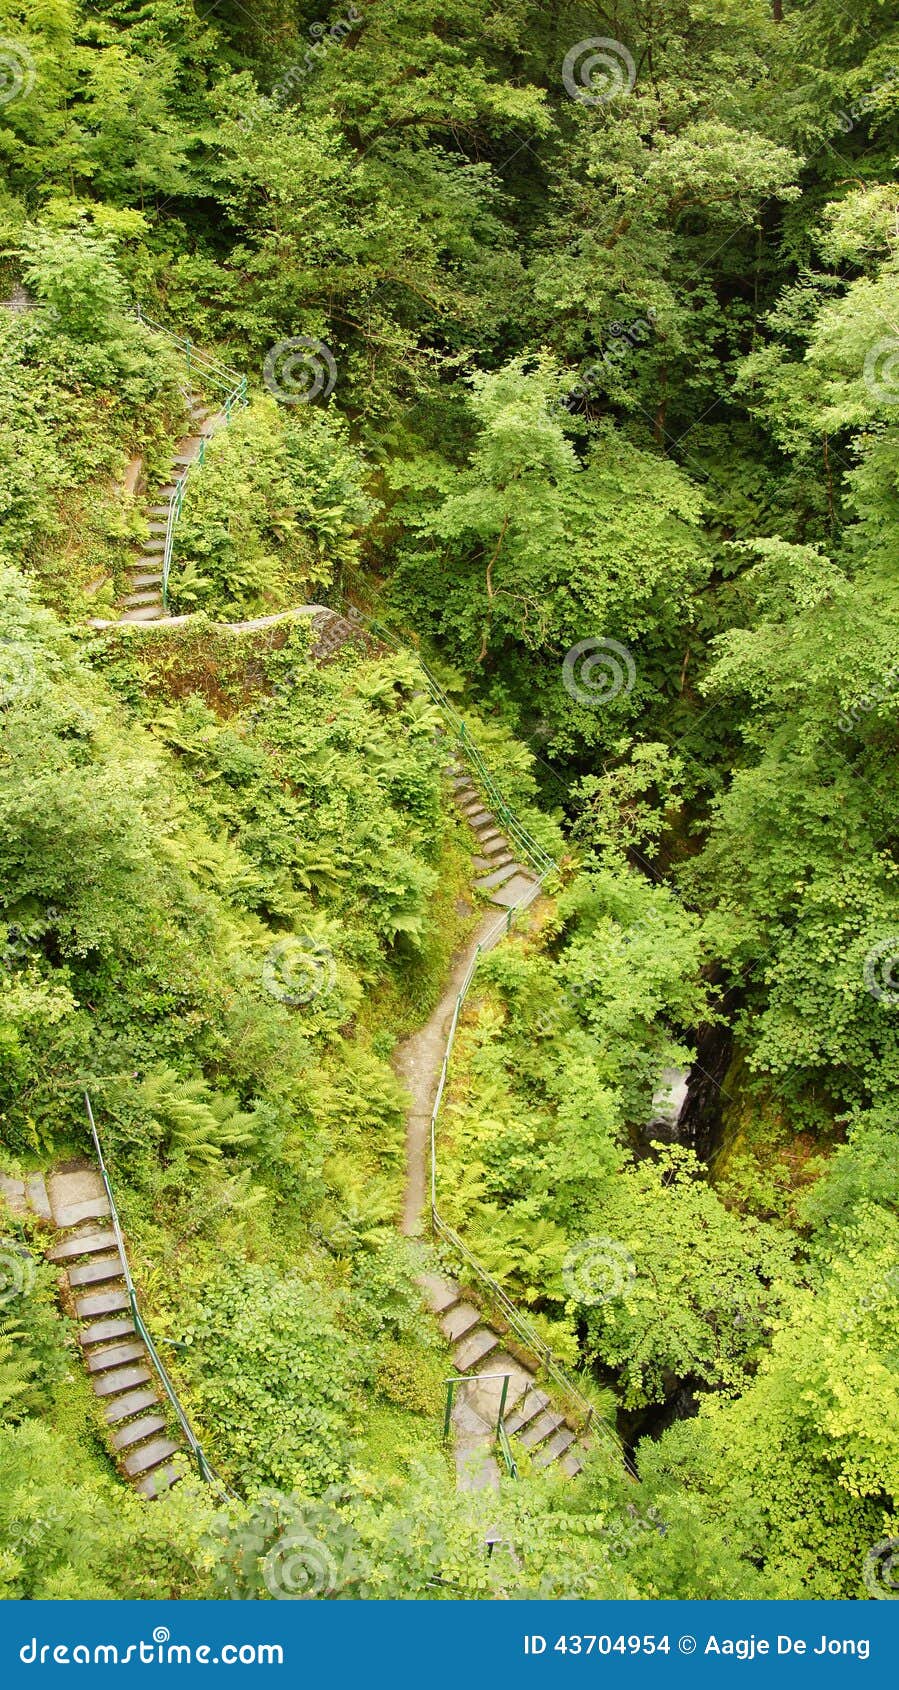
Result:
[
  {"x": 133, "y": 1402},
  {"x": 526, "y": 1411},
  {"x": 541, "y": 1428},
  {"x": 151, "y": 579},
  {"x": 555, "y": 1447},
  {"x": 185, "y": 459},
  {"x": 485, "y": 1392},
  {"x": 473, "y": 1348},
  {"x": 101, "y": 1302},
  {"x": 146, "y": 613},
  {"x": 160, "y": 510},
  {"x": 498, "y": 877},
  {"x": 490, "y": 841},
  {"x": 572, "y": 1465},
  {"x": 461, "y": 1319},
  {"x": 36, "y": 1195},
  {"x": 121, "y": 1379},
  {"x": 135, "y": 1431},
  {"x": 95, "y": 1272},
  {"x": 513, "y": 890},
  {"x": 117, "y": 1355},
  {"x": 103, "y": 1332},
  {"x": 83, "y": 1244},
  {"x": 440, "y": 1294},
  {"x": 153, "y": 548},
  {"x": 72, "y": 1214},
  {"x": 13, "y": 1193},
  {"x": 167, "y": 492},
  {"x": 158, "y": 1481},
  {"x": 158, "y": 528},
  {"x": 149, "y": 1455},
  {"x": 151, "y": 595}
]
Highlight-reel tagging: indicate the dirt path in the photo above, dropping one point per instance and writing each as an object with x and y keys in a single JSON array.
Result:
[{"x": 417, "y": 1062}]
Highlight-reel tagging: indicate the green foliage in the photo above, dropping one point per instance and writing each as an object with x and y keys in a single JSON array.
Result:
[{"x": 273, "y": 515}]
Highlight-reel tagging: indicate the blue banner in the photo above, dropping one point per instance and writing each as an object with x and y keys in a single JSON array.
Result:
[{"x": 450, "y": 1643}]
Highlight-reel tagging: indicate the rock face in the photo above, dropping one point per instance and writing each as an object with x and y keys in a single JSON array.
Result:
[{"x": 668, "y": 1100}]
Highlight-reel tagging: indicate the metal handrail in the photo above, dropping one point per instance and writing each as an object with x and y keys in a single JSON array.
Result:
[
  {"x": 214, "y": 374},
  {"x": 579, "y": 1405},
  {"x": 205, "y": 1468},
  {"x": 540, "y": 859}
]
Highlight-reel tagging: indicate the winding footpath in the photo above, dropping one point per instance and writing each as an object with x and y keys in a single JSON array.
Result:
[{"x": 489, "y": 1378}]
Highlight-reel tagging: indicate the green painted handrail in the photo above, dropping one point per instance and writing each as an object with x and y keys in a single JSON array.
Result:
[
  {"x": 215, "y": 375},
  {"x": 578, "y": 1405},
  {"x": 204, "y": 1467}
]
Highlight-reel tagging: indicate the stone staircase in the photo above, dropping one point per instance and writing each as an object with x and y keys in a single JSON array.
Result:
[
  {"x": 531, "y": 1422},
  {"x": 506, "y": 882},
  {"x": 142, "y": 601},
  {"x": 73, "y": 1201},
  {"x": 478, "y": 1352}
]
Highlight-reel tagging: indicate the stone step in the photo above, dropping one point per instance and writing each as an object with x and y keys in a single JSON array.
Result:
[
  {"x": 118, "y": 1355},
  {"x": 473, "y": 1348},
  {"x": 36, "y": 1195},
  {"x": 103, "y": 1331},
  {"x": 13, "y": 1193},
  {"x": 147, "y": 613},
  {"x": 480, "y": 819},
  {"x": 151, "y": 579},
  {"x": 149, "y": 1455},
  {"x": 154, "y": 548},
  {"x": 121, "y": 1379},
  {"x": 498, "y": 876},
  {"x": 151, "y": 595},
  {"x": 72, "y": 1214},
  {"x": 572, "y": 1465},
  {"x": 95, "y": 1272},
  {"x": 513, "y": 890},
  {"x": 526, "y": 1411},
  {"x": 541, "y": 1428},
  {"x": 440, "y": 1294},
  {"x": 167, "y": 492},
  {"x": 157, "y": 528},
  {"x": 101, "y": 1302},
  {"x": 461, "y": 1319},
  {"x": 134, "y": 1402},
  {"x": 555, "y": 1447},
  {"x": 83, "y": 1244},
  {"x": 486, "y": 1390},
  {"x": 159, "y": 1480},
  {"x": 135, "y": 1431},
  {"x": 491, "y": 841},
  {"x": 160, "y": 510},
  {"x": 184, "y": 459}
]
